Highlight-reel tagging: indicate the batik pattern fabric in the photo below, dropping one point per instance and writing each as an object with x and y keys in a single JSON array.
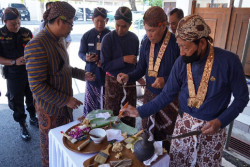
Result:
[
  {"x": 94, "y": 98},
  {"x": 47, "y": 122},
  {"x": 93, "y": 91},
  {"x": 49, "y": 72},
  {"x": 201, "y": 150},
  {"x": 162, "y": 123},
  {"x": 114, "y": 94},
  {"x": 192, "y": 27},
  {"x": 59, "y": 9}
]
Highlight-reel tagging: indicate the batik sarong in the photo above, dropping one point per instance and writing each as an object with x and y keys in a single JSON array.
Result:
[
  {"x": 47, "y": 122},
  {"x": 162, "y": 123},
  {"x": 94, "y": 98},
  {"x": 201, "y": 150},
  {"x": 114, "y": 94}
]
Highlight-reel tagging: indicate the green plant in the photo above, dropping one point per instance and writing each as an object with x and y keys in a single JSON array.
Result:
[{"x": 155, "y": 3}]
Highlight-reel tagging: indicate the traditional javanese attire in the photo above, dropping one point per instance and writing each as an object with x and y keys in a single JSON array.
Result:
[
  {"x": 50, "y": 79},
  {"x": 163, "y": 122},
  {"x": 205, "y": 84},
  {"x": 226, "y": 77},
  {"x": 94, "y": 93},
  {"x": 50, "y": 76},
  {"x": 113, "y": 49}
]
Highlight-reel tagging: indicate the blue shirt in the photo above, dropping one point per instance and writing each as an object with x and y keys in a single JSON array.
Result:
[
  {"x": 229, "y": 79},
  {"x": 114, "y": 48},
  {"x": 88, "y": 44},
  {"x": 170, "y": 55}
]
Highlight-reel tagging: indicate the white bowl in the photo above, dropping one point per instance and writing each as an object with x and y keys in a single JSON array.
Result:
[{"x": 101, "y": 133}]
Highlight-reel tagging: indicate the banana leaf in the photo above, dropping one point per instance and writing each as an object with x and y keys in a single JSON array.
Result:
[
  {"x": 101, "y": 122},
  {"x": 125, "y": 128},
  {"x": 93, "y": 113}
]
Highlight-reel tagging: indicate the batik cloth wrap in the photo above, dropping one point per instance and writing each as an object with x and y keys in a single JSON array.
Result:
[
  {"x": 201, "y": 150},
  {"x": 192, "y": 28},
  {"x": 123, "y": 13},
  {"x": 47, "y": 122},
  {"x": 162, "y": 123},
  {"x": 57, "y": 9},
  {"x": 94, "y": 98},
  {"x": 114, "y": 94},
  {"x": 100, "y": 12}
]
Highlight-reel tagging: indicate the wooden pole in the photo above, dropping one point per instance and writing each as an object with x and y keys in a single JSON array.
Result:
[{"x": 193, "y": 7}]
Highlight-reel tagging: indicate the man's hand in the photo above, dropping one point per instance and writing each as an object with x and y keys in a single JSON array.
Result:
[
  {"x": 91, "y": 57},
  {"x": 122, "y": 78},
  {"x": 73, "y": 103},
  {"x": 159, "y": 83},
  {"x": 99, "y": 64},
  {"x": 142, "y": 81},
  {"x": 130, "y": 111},
  {"x": 20, "y": 61},
  {"x": 211, "y": 127},
  {"x": 89, "y": 76},
  {"x": 131, "y": 59}
]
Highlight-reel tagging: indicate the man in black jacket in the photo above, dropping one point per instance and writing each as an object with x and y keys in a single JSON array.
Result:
[{"x": 13, "y": 39}]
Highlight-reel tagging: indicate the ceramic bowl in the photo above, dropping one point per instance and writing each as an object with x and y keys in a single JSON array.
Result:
[{"x": 97, "y": 135}]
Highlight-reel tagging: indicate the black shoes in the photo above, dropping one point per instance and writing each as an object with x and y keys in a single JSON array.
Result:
[
  {"x": 34, "y": 121},
  {"x": 24, "y": 132}
]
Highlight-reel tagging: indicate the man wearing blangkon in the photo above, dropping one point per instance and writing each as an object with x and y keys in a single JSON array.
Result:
[
  {"x": 158, "y": 53},
  {"x": 205, "y": 76},
  {"x": 13, "y": 39},
  {"x": 119, "y": 52},
  {"x": 50, "y": 74}
]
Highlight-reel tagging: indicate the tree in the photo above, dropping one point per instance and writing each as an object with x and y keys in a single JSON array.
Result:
[
  {"x": 132, "y": 4},
  {"x": 155, "y": 3}
]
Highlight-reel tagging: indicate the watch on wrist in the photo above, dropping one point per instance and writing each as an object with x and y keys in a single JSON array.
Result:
[{"x": 13, "y": 62}]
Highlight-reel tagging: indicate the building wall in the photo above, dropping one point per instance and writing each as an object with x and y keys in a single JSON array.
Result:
[{"x": 185, "y": 5}]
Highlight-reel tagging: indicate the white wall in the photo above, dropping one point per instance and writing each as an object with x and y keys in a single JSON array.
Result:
[
  {"x": 34, "y": 9},
  {"x": 185, "y": 5}
]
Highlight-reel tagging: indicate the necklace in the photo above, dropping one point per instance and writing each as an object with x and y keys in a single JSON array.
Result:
[
  {"x": 153, "y": 69},
  {"x": 196, "y": 100}
]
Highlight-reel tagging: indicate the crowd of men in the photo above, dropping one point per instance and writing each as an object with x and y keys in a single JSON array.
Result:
[{"x": 189, "y": 82}]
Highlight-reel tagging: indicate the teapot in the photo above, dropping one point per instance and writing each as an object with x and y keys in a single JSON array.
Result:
[{"x": 144, "y": 149}]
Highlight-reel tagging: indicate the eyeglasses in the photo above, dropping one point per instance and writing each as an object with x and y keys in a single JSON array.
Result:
[{"x": 71, "y": 24}]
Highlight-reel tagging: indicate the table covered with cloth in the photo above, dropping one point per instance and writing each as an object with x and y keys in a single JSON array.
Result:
[{"x": 60, "y": 156}]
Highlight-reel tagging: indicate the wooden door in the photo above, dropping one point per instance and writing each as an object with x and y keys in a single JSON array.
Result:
[
  {"x": 218, "y": 20},
  {"x": 229, "y": 28},
  {"x": 237, "y": 35}
]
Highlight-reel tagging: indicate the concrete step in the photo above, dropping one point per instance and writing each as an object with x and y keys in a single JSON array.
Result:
[
  {"x": 242, "y": 122},
  {"x": 247, "y": 110}
]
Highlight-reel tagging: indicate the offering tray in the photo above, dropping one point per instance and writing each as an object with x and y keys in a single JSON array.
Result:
[
  {"x": 126, "y": 154},
  {"x": 90, "y": 148}
]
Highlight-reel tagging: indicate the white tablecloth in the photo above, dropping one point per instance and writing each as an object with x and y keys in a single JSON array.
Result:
[{"x": 60, "y": 156}]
